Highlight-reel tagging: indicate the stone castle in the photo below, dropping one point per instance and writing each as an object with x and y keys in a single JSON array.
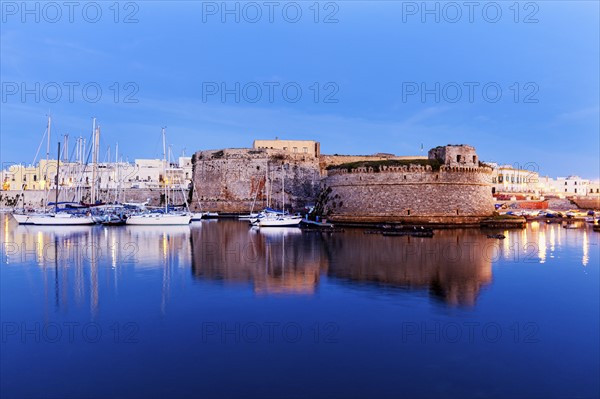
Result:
[{"x": 449, "y": 186}]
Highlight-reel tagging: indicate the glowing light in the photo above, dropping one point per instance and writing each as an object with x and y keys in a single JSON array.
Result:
[
  {"x": 113, "y": 252},
  {"x": 542, "y": 248},
  {"x": 506, "y": 245},
  {"x": 586, "y": 249}
]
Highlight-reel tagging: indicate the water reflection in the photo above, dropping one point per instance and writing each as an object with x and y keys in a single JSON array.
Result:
[
  {"x": 84, "y": 264},
  {"x": 80, "y": 264},
  {"x": 275, "y": 261},
  {"x": 453, "y": 266}
]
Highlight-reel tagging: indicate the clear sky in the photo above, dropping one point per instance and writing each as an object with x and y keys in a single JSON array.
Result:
[{"x": 517, "y": 80}]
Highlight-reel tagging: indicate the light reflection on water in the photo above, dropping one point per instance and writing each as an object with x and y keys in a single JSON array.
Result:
[{"x": 166, "y": 279}]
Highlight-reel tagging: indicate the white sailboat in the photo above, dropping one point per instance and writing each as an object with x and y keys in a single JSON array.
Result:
[
  {"x": 55, "y": 218},
  {"x": 280, "y": 219},
  {"x": 166, "y": 218}
]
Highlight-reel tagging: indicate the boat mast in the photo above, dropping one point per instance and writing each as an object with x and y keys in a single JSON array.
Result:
[
  {"x": 118, "y": 174},
  {"x": 57, "y": 178},
  {"x": 47, "y": 159},
  {"x": 93, "y": 188},
  {"x": 165, "y": 167}
]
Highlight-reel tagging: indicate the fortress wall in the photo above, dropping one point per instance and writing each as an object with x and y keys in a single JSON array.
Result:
[
  {"x": 230, "y": 180},
  {"x": 451, "y": 195}
]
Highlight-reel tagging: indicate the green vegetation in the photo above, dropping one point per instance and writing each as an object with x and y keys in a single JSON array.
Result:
[{"x": 377, "y": 165}]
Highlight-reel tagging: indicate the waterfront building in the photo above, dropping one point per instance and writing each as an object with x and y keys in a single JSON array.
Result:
[
  {"x": 144, "y": 173},
  {"x": 302, "y": 147},
  {"x": 571, "y": 185},
  {"x": 507, "y": 179}
]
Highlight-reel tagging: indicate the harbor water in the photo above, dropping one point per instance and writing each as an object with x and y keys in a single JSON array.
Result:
[{"x": 222, "y": 310}]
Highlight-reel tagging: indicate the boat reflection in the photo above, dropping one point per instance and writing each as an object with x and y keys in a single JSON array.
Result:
[
  {"x": 452, "y": 266},
  {"x": 276, "y": 260},
  {"x": 81, "y": 264}
]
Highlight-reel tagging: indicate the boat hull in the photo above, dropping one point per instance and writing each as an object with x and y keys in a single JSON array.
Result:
[
  {"x": 286, "y": 222},
  {"x": 52, "y": 220},
  {"x": 158, "y": 219}
]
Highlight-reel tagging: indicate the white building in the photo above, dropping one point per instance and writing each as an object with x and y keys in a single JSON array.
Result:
[
  {"x": 144, "y": 173},
  {"x": 572, "y": 185},
  {"x": 507, "y": 179}
]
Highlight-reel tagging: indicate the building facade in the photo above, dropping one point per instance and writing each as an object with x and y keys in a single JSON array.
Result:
[{"x": 302, "y": 147}]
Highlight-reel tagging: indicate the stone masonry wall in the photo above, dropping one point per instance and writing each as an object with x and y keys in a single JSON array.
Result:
[
  {"x": 231, "y": 180},
  {"x": 414, "y": 194}
]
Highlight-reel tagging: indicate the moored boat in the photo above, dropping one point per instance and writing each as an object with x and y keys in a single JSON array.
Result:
[
  {"x": 53, "y": 219},
  {"x": 280, "y": 221},
  {"x": 154, "y": 218}
]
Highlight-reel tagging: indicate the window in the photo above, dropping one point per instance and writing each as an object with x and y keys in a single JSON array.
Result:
[
  {"x": 408, "y": 212},
  {"x": 34, "y": 177},
  {"x": 474, "y": 158},
  {"x": 284, "y": 148},
  {"x": 305, "y": 150},
  {"x": 575, "y": 183},
  {"x": 295, "y": 149},
  {"x": 575, "y": 191},
  {"x": 565, "y": 183},
  {"x": 458, "y": 158}
]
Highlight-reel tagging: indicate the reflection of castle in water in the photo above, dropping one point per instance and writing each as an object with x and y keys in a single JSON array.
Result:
[
  {"x": 452, "y": 265},
  {"x": 278, "y": 260}
]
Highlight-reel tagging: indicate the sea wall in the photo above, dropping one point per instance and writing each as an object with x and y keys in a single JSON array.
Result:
[{"x": 408, "y": 194}]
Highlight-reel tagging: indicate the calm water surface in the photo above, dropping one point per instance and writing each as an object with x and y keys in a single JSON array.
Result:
[{"x": 218, "y": 309}]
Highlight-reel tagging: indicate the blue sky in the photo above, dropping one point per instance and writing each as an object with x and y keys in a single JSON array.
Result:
[{"x": 370, "y": 63}]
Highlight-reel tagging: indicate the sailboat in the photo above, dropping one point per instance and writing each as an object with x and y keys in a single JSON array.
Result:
[
  {"x": 56, "y": 218},
  {"x": 166, "y": 216},
  {"x": 280, "y": 219}
]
